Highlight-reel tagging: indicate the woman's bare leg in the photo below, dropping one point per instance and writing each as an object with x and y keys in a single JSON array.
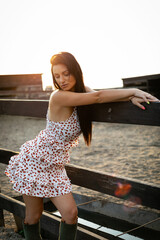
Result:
[
  {"x": 67, "y": 207},
  {"x": 34, "y": 209}
]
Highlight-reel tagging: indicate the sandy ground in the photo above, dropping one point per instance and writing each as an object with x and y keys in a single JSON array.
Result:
[{"x": 127, "y": 150}]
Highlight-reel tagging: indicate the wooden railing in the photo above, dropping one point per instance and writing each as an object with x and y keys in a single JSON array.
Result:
[{"x": 121, "y": 112}]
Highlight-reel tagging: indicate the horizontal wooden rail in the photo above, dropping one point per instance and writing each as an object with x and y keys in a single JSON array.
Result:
[
  {"x": 148, "y": 194},
  {"x": 32, "y": 108},
  {"x": 117, "y": 112}
]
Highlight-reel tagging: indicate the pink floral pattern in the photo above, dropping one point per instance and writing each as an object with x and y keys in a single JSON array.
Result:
[{"x": 39, "y": 169}]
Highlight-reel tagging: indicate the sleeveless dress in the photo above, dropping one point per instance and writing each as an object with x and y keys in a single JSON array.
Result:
[{"x": 39, "y": 169}]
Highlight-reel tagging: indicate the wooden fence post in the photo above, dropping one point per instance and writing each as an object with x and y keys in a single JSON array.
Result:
[{"x": 2, "y": 223}]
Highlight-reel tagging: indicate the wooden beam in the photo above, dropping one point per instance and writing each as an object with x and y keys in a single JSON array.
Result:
[
  {"x": 146, "y": 77},
  {"x": 32, "y": 108},
  {"x": 148, "y": 194},
  {"x": 5, "y": 155},
  {"x": 118, "y": 112},
  {"x": 2, "y": 223},
  {"x": 49, "y": 222},
  {"x": 14, "y": 81},
  {"x": 126, "y": 112}
]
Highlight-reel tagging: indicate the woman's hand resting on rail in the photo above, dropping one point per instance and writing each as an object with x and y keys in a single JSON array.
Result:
[{"x": 141, "y": 96}]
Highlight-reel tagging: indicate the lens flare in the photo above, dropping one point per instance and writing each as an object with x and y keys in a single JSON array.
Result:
[{"x": 122, "y": 189}]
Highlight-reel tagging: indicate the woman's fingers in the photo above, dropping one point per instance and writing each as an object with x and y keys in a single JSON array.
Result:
[
  {"x": 139, "y": 105},
  {"x": 145, "y": 96},
  {"x": 137, "y": 101},
  {"x": 145, "y": 99},
  {"x": 154, "y": 100},
  {"x": 150, "y": 97}
]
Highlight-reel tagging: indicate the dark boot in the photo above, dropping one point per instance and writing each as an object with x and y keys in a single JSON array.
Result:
[
  {"x": 67, "y": 231},
  {"x": 32, "y": 232}
]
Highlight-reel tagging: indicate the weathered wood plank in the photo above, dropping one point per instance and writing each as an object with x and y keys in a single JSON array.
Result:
[
  {"x": 5, "y": 155},
  {"x": 140, "y": 79},
  {"x": 2, "y": 223},
  {"x": 118, "y": 112},
  {"x": 148, "y": 194},
  {"x": 13, "y": 81},
  {"x": 32, "y": 108},
  {"x": 126, "y": 112},
  {"x": 48, "y": 221}
]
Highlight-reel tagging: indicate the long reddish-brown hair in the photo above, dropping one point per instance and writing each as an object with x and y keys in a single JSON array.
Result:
[{"x": 74, "y": 68}]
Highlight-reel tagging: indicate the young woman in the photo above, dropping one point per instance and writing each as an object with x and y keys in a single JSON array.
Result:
[{"x": 38, "y": 171}]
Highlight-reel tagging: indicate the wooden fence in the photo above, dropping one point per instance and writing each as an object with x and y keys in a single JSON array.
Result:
[{"x": 120, "y": 112}]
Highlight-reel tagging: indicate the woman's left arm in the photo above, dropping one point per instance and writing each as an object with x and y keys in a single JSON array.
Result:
[{"x": 136, "y": 96}]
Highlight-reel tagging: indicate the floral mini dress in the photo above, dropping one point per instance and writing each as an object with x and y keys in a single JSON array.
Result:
[{"x": 39, "y": 169}]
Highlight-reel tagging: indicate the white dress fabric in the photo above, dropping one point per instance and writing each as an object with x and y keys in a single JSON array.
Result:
[{"x": 39, "y": 169}]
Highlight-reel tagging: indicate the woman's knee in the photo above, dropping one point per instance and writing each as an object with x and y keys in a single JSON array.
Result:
[
  {"x": 74, "y": 212},
  {"x": 67, "y": 207},
  {"x": 32, "y": 218},
  {"x": 70, "y": 216},
  {"x": 33, "y": 215}
]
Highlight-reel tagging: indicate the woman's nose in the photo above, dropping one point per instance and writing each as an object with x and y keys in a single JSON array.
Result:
[{"x": 62, "y": 79}]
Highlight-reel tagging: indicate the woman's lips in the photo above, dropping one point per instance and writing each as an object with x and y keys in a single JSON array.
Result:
[{"x": 64, "y": 86}]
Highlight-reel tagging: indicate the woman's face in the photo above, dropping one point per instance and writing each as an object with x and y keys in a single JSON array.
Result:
[{"x": 65, "y": 80}]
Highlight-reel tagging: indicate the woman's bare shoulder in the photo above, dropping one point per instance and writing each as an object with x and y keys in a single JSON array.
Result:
[
  {"x": 58, "y": 94},
  {"x": 58, "y": 112},
  {"x": 57, "y": 97},
  {"x": 54, "y": 94}
]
